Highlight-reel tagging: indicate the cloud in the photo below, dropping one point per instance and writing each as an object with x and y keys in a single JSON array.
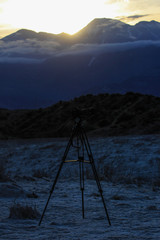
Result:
[
  {"x": 35, "y": 51},
  {"x": 28, "y": 50},
  {"x": 137, "y": 16},
  {"x": 132, "y": 17},
  {"x": 97, "y": 49},
  {"x": 116, "y": 1}
]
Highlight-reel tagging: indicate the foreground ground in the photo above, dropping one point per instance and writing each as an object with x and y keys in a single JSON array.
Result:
[{"x": 129, "y": 171}]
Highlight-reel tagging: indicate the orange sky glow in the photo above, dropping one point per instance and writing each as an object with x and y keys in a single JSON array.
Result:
[{"x": 56, "y": 16}]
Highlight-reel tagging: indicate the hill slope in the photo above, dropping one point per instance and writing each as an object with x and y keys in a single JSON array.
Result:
[{"x": 103, "y": 114}]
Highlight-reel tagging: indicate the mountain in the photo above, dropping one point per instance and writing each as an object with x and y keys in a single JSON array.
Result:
[
  {"x": 63, "y": 39},
  {"x": 24, "y": 34},
  {"x": 146, "y": 30},
  {"x": 39, "y": 69},
  {"x": 100, "y": 30},
  {"x": 115, "y": 31},
  {"x": 103, "y": 31}
]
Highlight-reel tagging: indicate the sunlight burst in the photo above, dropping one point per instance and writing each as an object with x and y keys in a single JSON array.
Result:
[{"x": 55, "y": 15}]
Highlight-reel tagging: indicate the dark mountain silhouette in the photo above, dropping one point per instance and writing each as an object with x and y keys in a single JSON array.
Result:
[{"x": 103, "y": 115}]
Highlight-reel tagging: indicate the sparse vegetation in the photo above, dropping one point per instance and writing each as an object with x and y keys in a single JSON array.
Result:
[
  {"x": 105, "y": 114},
  {"x": 118, "y": 197},
  {"x": 152, "y": 208},
  {"x": 40, "y": 173}
]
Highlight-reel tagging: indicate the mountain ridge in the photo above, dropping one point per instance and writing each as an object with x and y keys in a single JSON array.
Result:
[{"x": 96, "y": 26}]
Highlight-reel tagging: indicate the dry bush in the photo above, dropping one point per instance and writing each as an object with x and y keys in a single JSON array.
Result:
[
  {"x": 17, "y": 211},
  {"x": 40, "y": 173},
  {"x": 117, "y": 197},
  {"x": 152, "y": 207},
  {"x": 3, "y": 174},
  {"x": 2, "y": 169}
]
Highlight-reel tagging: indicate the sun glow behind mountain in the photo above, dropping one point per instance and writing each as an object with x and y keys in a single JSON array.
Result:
[{"x": 55, "y": 16}]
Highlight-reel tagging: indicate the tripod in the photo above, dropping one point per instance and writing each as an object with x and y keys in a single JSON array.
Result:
[{"x": 82, "y": 144}]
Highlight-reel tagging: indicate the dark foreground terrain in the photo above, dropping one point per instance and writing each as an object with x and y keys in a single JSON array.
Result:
[
  {"x": 129, "y": 171},
  {"x": 103, "y": 114}
]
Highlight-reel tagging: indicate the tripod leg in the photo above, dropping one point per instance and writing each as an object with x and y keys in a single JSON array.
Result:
[
  {"x": 83, "y": 203},
  {"x": 61, "y": 165},
  {"x": 100, "y": 189},
  {"x": 89, "y": 152},
  {"x": 52, "y": 189},
  {"x": 81, "y": 168},
  {"x": 83, "y": 186},
  {"x": 44, "y": 209}
]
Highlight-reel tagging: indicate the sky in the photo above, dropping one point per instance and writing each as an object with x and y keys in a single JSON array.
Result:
[{"x": 56, "y": 16}]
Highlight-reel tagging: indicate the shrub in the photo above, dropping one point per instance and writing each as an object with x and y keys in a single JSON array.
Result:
[
  {"x": 17, "y": 211},
  {"x": 40, "y": 173},
  {"x": 3, "y": 175},
  {"x": 118, "y": 197}
]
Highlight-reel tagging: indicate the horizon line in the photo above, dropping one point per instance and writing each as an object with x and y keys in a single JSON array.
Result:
[{"x": 69, "y": 34}]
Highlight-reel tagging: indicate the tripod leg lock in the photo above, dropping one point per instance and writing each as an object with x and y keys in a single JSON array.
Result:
[{"x": 101, "y": 191}]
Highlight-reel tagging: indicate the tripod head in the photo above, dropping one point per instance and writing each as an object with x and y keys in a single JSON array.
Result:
[
  {"x": 80, "y": 114},
  {"x": 77, "y": 115}
]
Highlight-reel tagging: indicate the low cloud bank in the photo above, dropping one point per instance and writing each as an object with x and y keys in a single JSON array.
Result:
[
  {"x": 34, "y": 51},
  {"x": 28, "y": 50},
  {"x": 98, "y": 49}
]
